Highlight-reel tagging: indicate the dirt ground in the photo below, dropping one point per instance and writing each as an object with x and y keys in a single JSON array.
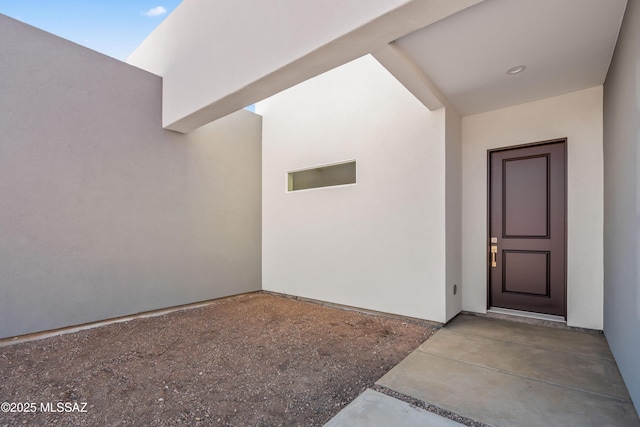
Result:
[{"x": 252, "y": 360}]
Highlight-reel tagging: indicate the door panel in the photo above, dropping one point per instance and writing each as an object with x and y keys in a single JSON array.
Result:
[
  {"x": 527, "y": 227},
  {"x": 526, "y": 272},
  {"x": 531, "y": 174}
]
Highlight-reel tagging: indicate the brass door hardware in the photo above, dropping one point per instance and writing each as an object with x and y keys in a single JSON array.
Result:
[{"x": 494, "y": 252}]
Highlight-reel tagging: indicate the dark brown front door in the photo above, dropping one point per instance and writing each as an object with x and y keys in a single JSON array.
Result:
[{"x": 527, "y": 228}]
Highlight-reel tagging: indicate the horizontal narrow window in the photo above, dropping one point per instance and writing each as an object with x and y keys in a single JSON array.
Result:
[{"x": 324, "y": 176}]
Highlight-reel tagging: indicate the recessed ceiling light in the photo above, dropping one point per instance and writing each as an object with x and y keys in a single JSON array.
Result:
[{"x": 517, "y": 69}]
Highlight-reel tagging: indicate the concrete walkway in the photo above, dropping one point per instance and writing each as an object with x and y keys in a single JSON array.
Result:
[
  {"x": 373, "y": 409},
  {"x": 502, "y": 373}
]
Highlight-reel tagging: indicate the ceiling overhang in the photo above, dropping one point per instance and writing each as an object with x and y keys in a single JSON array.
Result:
[
  {"x": 566, "y": 45},
  {"x": 213, "y": 65}
]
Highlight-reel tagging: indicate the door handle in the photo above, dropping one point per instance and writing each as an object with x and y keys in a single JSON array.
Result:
[{"x": 494, "y": 253}]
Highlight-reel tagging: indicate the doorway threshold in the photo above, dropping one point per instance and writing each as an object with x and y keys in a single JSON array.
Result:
[{"x": 527, "y": 314}]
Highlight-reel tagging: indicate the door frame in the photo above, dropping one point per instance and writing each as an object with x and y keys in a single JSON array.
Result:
[{"x": 566, "y": 225}]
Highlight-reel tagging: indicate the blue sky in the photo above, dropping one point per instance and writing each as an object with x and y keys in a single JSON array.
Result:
[{"x": 113, "y": 27}]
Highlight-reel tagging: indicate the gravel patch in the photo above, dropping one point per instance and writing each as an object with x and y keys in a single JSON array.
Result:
[{"x": 251, "y": 360}]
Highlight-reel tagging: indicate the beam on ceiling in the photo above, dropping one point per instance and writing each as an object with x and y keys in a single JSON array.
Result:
[
  {"x": 405, "y": 70},
  {"x": 218, "y": 57}
]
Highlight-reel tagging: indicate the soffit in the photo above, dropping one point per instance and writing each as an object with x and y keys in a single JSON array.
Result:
[{"x": 566, "y": 45}]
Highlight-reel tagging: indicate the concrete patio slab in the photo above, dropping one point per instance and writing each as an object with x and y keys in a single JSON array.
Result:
[
  {"x": 600, "y": 376},
  {"x": 590, "y": 344},
  {"x": 512, "y": 374},
  {"x": 502, "y": 399},
  {"x": 375, "y": 409}
]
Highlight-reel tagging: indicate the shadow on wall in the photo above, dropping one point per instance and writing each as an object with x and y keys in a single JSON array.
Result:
[{"x": 109, "y": 214}]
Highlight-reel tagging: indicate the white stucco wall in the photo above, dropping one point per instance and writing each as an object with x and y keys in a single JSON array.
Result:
[
  {"x": 622, "y": 202},
  {"x": 104, "y": 213},
  {"x": 578, "y": 117},
  {"x": 378, "y": 244},
  {"x": 453, "y": 215}
]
